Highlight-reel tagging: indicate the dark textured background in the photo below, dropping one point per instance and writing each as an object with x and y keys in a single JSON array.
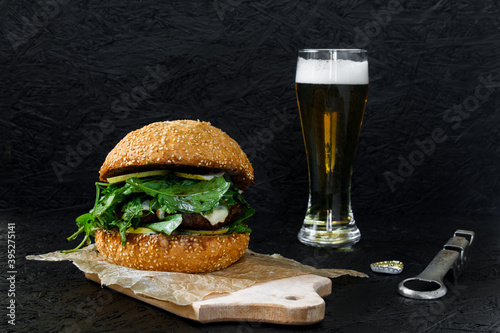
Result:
[
  {"x": 72, "y": 70},
  {"x": 76, "y": 76}
]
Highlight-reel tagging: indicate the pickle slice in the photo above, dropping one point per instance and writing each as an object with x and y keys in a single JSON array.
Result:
[
  {"x": 207, "y": 232},
  {"x": 143, "y": 174},
  {"x": 140, "y": 230},
  {"x": 198, "y": 177}
]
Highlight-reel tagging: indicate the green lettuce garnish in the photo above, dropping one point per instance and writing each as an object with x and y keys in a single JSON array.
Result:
[{"x": 122, "y": 205}]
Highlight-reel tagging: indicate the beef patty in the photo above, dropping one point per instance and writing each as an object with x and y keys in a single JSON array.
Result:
[{"x": 194, "y": 221}]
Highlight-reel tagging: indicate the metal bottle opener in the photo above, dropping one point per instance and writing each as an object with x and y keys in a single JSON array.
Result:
[{"x": 429, "y": 284}]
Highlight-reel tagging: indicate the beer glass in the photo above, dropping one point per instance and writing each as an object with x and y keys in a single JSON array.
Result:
[{"x": 331, "y": 87}]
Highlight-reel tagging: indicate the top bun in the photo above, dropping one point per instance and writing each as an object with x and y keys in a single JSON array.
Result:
[{"x": 188, "y": 145}]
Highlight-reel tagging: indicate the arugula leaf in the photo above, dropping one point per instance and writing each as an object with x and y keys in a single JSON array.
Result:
[
  {"x": 169, "y": 193},
  {"x": 185, "y": 204},
  {"x": 104, "y": 204},
  {"x": 201, "y": 190},
  {"x": 187, "y": 196},
  {"x": 168, "y": 225},
  {"x": 86, "y": 224},
  {"x": 132, "y": 208},
  {"x": 122, "y": 227},
  {"x": 238, "y": 226}
]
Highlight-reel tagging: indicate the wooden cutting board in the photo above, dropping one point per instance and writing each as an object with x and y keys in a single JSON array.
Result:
[{"x": 292, "y": 301}]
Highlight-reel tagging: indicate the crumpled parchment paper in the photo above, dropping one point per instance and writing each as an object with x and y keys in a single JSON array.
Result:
[{"x": 184, "y": 289}]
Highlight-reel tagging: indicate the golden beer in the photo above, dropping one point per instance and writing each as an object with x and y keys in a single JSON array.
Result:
[{"x": 331, "y": 114}]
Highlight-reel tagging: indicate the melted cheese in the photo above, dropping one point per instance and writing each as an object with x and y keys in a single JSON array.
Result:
[{"x": 219, "y": 214}]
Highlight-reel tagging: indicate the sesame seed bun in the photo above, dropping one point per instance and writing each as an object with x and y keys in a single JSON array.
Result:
[
  {"x": 180, "y": 253},
  {"x": 182, "y": 144}
]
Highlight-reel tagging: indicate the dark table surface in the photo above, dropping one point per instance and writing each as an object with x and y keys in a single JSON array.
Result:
[{"x": 56, "y": 297}]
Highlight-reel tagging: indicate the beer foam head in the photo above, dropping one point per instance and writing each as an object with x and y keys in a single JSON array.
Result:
[{"x": 331, "y": 71}]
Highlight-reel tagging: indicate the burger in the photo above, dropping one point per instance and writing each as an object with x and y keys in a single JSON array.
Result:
[{"x": 170, "y": 199}]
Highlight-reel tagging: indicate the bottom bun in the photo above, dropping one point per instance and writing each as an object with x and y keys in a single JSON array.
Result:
[{"x": 180, "y": 253}]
